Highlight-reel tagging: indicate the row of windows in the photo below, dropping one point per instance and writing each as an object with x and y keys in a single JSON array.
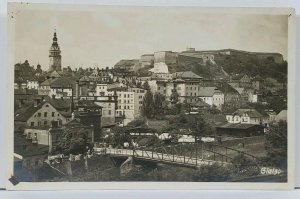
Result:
[
  {"x": 191, "y": 88},
  {"x": 244, "y": 119},
  {"x": 126, "y": 107},
  {"x": 45, "y": 114},
  {"x": 125, "y": 95},
  {"x": 119, "y": 112},
  {"x": 231, "y": 99},
  {"x": 138, "y": 91},
  {"x": 219, "y": 99},
  {"x": 45, "y": 123},
  {"x": 179, "y": 88},
  {"x": 102, "y": 87},
  {"x": 191, "y": 94}
]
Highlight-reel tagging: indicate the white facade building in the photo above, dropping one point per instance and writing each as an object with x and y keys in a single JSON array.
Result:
[
  {"x": 246, "y": 116},
  {"x": 211, "y": 96},
  {"x": 33, "y": 84}
]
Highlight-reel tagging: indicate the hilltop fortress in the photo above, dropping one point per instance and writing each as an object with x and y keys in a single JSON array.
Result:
[{"x": 176, "y": 58}]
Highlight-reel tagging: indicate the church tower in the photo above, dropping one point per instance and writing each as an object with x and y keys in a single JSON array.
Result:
[{"x": 54, "y": 55}]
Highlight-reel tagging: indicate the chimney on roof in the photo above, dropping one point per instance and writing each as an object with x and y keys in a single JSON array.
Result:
[
  {"x": 36, "y": 102},
  {"x": 53, "y": 96}
]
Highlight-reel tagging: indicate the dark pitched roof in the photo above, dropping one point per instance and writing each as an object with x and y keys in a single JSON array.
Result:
[
  {"x": 200, "y": 103},
  {"x": 47, "y": 82},
  {"x": 87, "y": 104},
  {"x": 59, "y": 103},
  {"x": 207, "y": 91},
  {"x": 250, "y": 112},
  {"x": 24, "y": 114},
  {"x": 187, "y": 75},
  {"x": 226, "y": 88},
  {"x": 62, "y": 82}
]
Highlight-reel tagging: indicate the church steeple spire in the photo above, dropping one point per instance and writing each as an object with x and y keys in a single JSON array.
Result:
[
  {"x": 54, "y": 38},
  {"x": 54, "y": 55}
]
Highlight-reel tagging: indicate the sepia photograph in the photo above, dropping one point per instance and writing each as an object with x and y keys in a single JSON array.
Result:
[{"x": 132, "y": 94}]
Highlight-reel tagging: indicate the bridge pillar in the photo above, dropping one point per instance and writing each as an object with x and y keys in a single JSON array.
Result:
[{"x": 126, "y": 166}]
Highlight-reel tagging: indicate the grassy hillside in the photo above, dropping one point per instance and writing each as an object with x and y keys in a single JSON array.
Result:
[
  {"x": 224, "y": 64},
  {"x": 238, "y": 64},
  {"x": 207, "y": 70}
]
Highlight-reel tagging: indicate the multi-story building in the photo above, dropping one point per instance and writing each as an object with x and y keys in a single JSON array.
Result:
[
  {"x": 45, "y": 113},
  {"x": 186, "y": 84},
  {"x": 32, "y": 84},
  {"x": 57, "y": 87},
  {"x": 125, "y": 105},
  {"x": 243, "y": 81},
  {"x": 247, "y": 116},
  {"x": 102, "y": 96},
  {"x": 231, "y": 96},
  {"x": 129, "y": 102},
  {"x": 45, "y": 122},
  {"x": 139, "y": 95},
  {"x": 212, "y": 96}
]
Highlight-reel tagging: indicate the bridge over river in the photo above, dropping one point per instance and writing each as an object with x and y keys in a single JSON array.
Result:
[{"x": 188, "y": 155}]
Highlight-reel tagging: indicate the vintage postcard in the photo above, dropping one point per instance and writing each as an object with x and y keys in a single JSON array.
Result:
[{"x": 131, "y": 97}]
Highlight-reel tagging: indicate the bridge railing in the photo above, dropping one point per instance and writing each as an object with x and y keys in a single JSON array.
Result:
[
  {"x": 207, "y": 151},
  {"x": 157, "y": 156}
]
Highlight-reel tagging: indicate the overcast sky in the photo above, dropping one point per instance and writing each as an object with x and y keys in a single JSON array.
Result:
[{"x": 105, "y": 36}]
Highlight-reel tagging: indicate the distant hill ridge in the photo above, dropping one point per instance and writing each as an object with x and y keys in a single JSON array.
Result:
[{"x": 213, "y": 63}]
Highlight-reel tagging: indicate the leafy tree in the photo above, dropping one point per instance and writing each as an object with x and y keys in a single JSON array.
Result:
[
  {"x": 148, "y": 141},
  {"x": 137, "y": 122},
  {"x": 200, "y": 127},
  {"x": 158, "y": 104},
  {"x": 70, "y": 144},
  {"x": 147, "y": 107},
  {"x": 240, "y": 64},
  {"x": 139, "y": 84},
  {"x": 120, "y": 137},
  {"x": 174, "y": 96},
  {"x": 134, "y": 81},
  {"x": 117, "y": 137},
  {"x": 276, "y": 144},
  {"x": 244, "y": 165},
  {"x": 146, "y": 86},
  {"x": 276, "y": 103},
  {"x": 196, "y": 123},
  {"x": 214, "y": 110}
]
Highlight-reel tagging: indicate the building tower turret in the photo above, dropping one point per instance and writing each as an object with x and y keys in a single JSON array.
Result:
[{"x": 54, "y": 55}]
